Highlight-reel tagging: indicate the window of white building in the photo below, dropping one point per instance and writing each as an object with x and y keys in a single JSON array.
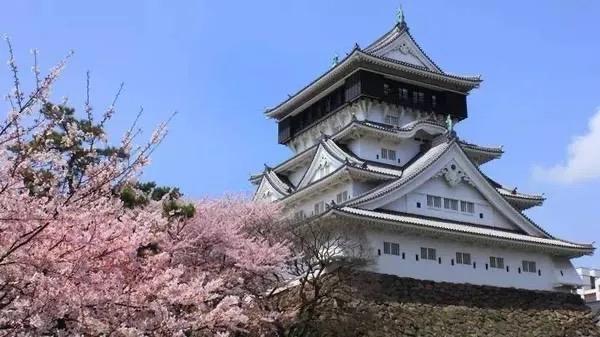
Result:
[
  {"x": 319, "y": 207},
  {"x": 529, "y": 267},
  {"x": 434, "y": 201},
  {"x": 391, "y": 248},
  {"x": 467, "y": 207},
  {"x": 341, "y": 197},
  {"x": 451, "y": 204},
  {"x": 427, "y": 253},
  {"x": 496, "y": 262},
  {"x": 392, "y": 118},
  {"x": 388, "y": 154},
  {"x": 463, "y": 258}
]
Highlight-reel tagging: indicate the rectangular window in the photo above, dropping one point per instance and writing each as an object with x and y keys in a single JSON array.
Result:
[
  {"x": 395, "y": 249},
  {"x": 415, "y": 97},
  {"x": 433, "y": 101},
  {"x": 299, "y": 215},
  {"x": 451, "y": 204},
  {"x": 496, "y": 262},
  {"x": 433, "y": 201},
  {"x": 529, "y": 267},
  {"x": 388, "y": 154},
  {"x": 427, "y": 253},
  {"x": 403, "y": 94},
  {"x": 391, "y": 248},
  {"x": 386, "y": 247},
  {"x": 341, "y": 197},
  {"x": 392, "y": 118},
  {"x": 386, "y": 89},
  {"x": 467, "y": 207},
  {"x": 421, "y": 98},
  {"x": 319, "y": 207},
  {"x": 463, "y": 258}
]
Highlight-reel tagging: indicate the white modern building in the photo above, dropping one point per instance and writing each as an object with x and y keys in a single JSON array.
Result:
[
  {"x": 590, "y": 290},
  {"x": 374, "y": 147}
]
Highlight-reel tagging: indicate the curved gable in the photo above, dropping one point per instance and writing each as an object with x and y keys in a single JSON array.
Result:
[{"x": 464, "y": 171}]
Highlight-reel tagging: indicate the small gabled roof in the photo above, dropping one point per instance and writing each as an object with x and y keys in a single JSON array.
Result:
[
  {"x": 344, "y": 158},
  {"x": 413, "y": 176},
  {"x": 399, "y": 39}
]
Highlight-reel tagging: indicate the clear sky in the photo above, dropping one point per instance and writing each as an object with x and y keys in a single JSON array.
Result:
[{"x": 220, "y": 63}]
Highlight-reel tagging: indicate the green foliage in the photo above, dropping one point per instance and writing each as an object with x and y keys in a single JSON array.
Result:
[
  {"x": 80, "y": 141},
  {"x": 140, "y": 194}
]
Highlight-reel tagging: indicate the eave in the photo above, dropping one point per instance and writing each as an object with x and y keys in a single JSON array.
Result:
[
  {"x": 481, "y": 154},
  {"x": 521, "y": 201},
  {"x": 456, "y": 230},
  {"x": 359, "y": 59},
  {"x": 343, "y": 174}
]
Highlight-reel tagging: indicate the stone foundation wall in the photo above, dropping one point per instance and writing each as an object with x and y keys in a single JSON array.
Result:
[{"x": 368, "y": 304}]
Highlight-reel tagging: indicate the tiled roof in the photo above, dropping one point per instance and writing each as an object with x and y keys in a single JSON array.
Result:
[
  {"x": 420, "y": 164},
  {"x": 393, "y": 34},
  {"x": 450, "y": 226},
  {"x": 357, "y": 59},
  {"x": 467, "y": 145}
]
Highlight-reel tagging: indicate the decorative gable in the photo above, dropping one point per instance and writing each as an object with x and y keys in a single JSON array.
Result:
[
  {"x": 456, "y": 169},
  {"x": 267, "y": 192},
  {"x": 399, "y": 45},
  {"x": 453, "y": 174},
  {"x": 323, "y": 163}
]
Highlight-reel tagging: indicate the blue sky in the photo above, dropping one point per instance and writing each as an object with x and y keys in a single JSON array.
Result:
[{"x": 220, "y": 63}]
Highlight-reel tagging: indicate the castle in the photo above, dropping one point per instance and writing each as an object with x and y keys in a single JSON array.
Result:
[{"x": 374, "y": 146}]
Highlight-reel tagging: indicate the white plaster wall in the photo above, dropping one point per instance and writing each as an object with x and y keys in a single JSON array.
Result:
[
  {"x": 297, "y": 175},
  {"x": 446, "y": 250},
  {"x": 377, "y": 113},
  {"x": 463, "y": 191},
  {"x": 331, "y": 194},
  {"x": 369, "y": 148}
]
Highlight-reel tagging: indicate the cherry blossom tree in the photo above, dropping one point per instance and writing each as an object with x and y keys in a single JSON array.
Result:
[{"x": 74, "y": 260}]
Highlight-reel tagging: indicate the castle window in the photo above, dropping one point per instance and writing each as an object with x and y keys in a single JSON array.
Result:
[
  {"x": 451, "y": 204},
  {"x": 467, "y": 207},
  {"x": 529, "y": 267},
  {"x": 391, "y": 248},
  {"x": 496, "y": 262},
  {"x": 392, "y": 118},
  {"x": 433, "y": 101},
  {"x": 386, "y": 89},
  {"x": 341, "y": 197},
  {"x": 463, "y": 258},
  {"x": 403, "y": 93},
  {"x": 418, "y": 97},
  {"x": 319, "y": 207},
  {"x": 434, "y": 201},
  {"x": 428, "y": 253},
  {"x": 388, "y": 154}
]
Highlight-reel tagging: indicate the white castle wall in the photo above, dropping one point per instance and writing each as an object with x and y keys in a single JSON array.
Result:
[
  {"x": 462, "y": 191},
  {"x": 446, "y": 250},
  {"x": 369, "y": 148}
]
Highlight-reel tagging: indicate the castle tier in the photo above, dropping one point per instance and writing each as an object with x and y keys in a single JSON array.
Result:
[{"x": 374, "y": 148}]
